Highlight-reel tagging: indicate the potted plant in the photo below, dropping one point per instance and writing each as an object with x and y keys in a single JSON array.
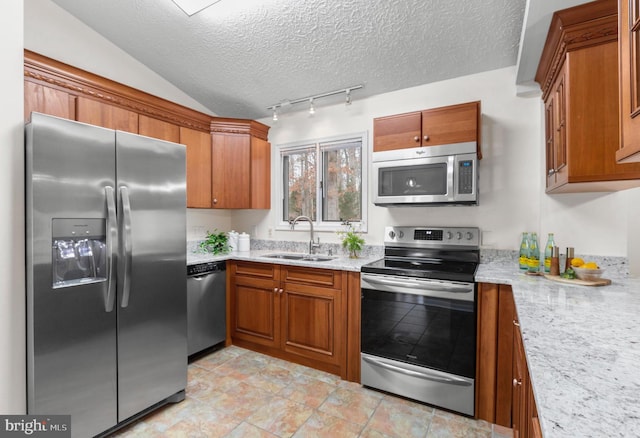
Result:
[
  {"x": 216, "y": 243},
  {"x": 351, "y": 240}
]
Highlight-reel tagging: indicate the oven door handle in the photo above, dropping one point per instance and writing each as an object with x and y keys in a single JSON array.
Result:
[
  {"x": 427, "y": 374},
  {"x": 421, "y": 284}
]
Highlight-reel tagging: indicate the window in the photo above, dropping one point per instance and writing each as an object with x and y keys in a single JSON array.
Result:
[{"x": 323, "y": 179}]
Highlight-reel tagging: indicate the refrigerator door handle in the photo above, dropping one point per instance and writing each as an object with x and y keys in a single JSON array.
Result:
[
  {"x": 126, "y": 233},
  {"x": 112, "y": 232}
]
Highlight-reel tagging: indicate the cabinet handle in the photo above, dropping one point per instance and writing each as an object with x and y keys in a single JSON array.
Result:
[
  {"x": 416, "y": 139},
  {"x": 516, "y": 323},
  {"x": 517, "y": 382},
  {"x": 426, "y": 138}
]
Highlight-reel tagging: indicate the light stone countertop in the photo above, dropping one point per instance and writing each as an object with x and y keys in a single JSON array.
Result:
[
  {"x": 583, "y": 351},
  {"x": 339, "y": 262}
]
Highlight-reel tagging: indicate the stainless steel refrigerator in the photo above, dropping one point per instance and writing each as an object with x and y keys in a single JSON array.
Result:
[{"x": 106, "y": 282}]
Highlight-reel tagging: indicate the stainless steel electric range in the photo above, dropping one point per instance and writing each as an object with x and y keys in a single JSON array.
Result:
[{"x": 419, "y": 316}]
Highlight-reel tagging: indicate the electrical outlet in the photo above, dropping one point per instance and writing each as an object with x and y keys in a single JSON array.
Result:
[{"x": 270, "y": 231}]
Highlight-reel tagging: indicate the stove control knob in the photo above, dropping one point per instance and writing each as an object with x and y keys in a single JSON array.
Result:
[
  {"x": 469, "y": 235},
  {"x": 449, "y": 235},
  {"x": 458, "y": 235},
  {"x": 392, "y": 234},
  {"x": 401, "y": 234}
]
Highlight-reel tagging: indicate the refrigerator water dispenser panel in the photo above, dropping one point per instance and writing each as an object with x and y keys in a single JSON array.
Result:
[{"x": 79, "y": 250}]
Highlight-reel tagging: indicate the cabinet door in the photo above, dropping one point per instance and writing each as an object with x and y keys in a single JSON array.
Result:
[
  {"x": 397, "y": 132},
  {"x": 550, "y": 128},
  {"x": 559, "y": 174},
  {"x": 451, "y": 124},
  {"x": 158, "y": 129},
  {"x": 312, "y": 323},
  {"x": 629, "y": 59},
  {"x": 255, "y": 304},
  {"x": 198, "y": 145},
  {"x": 231, "y": 170},
  {"x": 46, "y": 100},
  {"x": 260, "y": 174},
  {"x": 105, "y": 115},
  {"x": 520, "y": 386},
  {"x": 496, "y": 312}
]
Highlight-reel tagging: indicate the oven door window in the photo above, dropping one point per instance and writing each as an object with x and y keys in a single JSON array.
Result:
[
  {"x": 416, "y": 180},
  {"x": 432, "y": 332}
]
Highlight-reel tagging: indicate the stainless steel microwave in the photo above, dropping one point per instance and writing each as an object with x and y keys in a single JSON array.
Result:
[{"x": 433, "y": 175}]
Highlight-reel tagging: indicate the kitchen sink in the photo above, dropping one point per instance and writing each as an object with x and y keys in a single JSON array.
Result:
[{"x": 303, "y": 257}]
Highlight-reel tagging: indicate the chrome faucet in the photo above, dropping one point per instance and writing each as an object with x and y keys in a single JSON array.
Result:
[{"x": 312, "y": 245}]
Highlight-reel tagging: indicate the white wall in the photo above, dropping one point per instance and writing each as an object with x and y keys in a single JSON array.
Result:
[
  {"x": 512, "y": 197},
  {"x": 12, "y": 291}
]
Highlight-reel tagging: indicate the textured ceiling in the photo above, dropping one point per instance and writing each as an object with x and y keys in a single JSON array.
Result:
[{"x": 239, "y": 57}]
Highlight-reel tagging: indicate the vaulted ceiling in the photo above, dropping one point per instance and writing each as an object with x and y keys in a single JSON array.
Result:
[{"x": 239, "y": 57}]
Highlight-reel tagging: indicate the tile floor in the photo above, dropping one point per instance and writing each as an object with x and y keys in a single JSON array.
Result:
[{"x": 237, "y": 393}]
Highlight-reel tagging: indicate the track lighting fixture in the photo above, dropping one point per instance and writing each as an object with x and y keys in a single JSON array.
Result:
[{"x": 312, "y": 99}]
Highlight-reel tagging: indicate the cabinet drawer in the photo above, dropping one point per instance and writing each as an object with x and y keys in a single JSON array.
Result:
[
  {"x": 254, "y": 269},
  {"x": 312, "y": 276}
]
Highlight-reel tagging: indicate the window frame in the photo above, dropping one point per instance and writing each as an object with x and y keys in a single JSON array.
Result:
[{"x": 319, "y": 224}]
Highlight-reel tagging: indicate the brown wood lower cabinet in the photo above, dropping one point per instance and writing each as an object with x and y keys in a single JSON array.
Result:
[
  {"x": 504, "y": 394},
  {"x": 294, "y": 313}
]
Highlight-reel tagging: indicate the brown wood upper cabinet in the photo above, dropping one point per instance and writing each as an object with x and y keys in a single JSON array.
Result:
[
  {"x": 578, "y": 75},
  {"x": 629, "y": 59},
  {"x": 438, "y": 126},
  {"x": 296, "y": 313},
  {"x": 240, "y": 164},
  {"x": 229, "y": 157}
]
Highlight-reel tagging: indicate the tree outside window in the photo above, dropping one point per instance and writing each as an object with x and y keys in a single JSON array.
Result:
[{"x": 324, "y": 180}]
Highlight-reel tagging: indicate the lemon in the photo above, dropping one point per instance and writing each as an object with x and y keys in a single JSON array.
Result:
[
  {"x": 590, "y": 265},
  {"x": 578, "y": 262}
]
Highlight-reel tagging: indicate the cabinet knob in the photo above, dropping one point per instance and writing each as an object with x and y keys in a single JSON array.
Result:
[
  {"x": 517, "y": 382},
  {"x": 426, "y": 138},
  {"x": 516, "y": 323},
  {"x": 281, "y": 290},
  {"x": 215, "y": 200},
  {"x": 551, "y": 171},
  {"x": 416, "y": 138},
  {"x": 275, "y": 290}
]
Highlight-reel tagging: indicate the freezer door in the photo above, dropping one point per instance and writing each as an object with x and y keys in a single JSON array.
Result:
[
  {"x": 71, "y": 322},
  {"x": 152, "y": 326}
]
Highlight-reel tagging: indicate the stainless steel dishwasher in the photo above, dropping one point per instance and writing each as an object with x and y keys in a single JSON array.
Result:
[{"x": 206, "y": 305}]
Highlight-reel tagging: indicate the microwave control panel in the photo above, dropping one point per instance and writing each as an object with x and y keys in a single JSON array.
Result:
[{"x": 465, "y": 177}]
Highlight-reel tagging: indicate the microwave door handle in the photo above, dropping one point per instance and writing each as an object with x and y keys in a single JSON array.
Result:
[{"x": 421, "y": 285}]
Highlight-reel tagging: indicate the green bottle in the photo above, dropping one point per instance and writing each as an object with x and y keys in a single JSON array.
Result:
[
  {"x": 524, "y": 252},
  {"x": 547, "y": 253},
  {"x": 534, "y": 254}
]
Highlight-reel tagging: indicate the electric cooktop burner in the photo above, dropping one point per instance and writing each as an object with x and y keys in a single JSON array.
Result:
[{"x": 450, "y": 253}]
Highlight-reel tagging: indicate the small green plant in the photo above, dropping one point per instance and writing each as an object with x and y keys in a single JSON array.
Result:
[
  {"x": 351, "y": 240},
  {"x": 216, "y": 243}
]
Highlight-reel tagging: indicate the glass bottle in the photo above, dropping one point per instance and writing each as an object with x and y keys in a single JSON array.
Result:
[
  {"x": 548, "y": 249},
  {"x": 534, "y": 253},
  {"x": 524, "y": 252}
]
